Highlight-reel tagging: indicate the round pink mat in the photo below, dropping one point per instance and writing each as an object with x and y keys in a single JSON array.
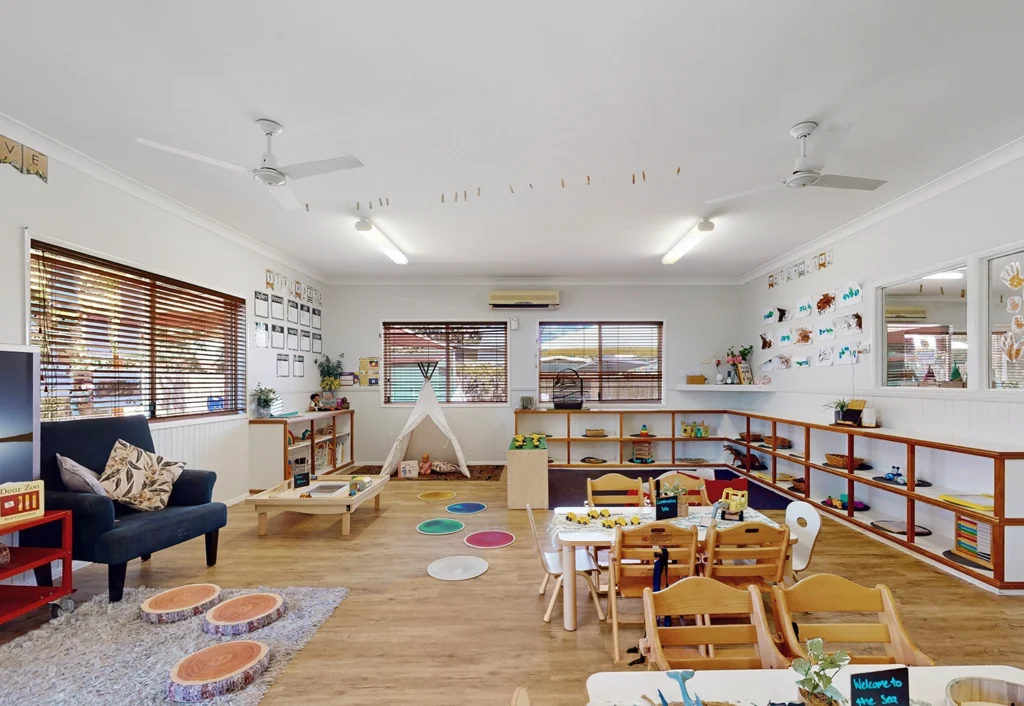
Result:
[{"x": 490, "y": 539}]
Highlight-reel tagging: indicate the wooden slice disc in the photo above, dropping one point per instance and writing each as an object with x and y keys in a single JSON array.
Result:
[
  {"x": 243, "y": 614},
  {"x": 217, "y": 670},
  {"x": 180, "y": 603}
]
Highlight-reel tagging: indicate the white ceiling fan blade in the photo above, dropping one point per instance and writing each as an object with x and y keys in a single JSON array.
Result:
[
  {"x": 192, "y": 155},
  {"x": 836, "y": 181},
  {"x": 742, "y": 194},
  {"x": 823, "y": 144},
  {"x": 324, "y": 166},
  {"x": 285, "y": 196}
]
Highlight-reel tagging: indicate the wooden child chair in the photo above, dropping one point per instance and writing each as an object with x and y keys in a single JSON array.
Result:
[
  {"x": 745, "y": 645},
  {"x": 827, "y": 593},
  {"x": 614, "y": 489},
  {"x": 747, "y": 554},
  {"x": 634, "y": 564},
  {"x": 696, "y": 489}
]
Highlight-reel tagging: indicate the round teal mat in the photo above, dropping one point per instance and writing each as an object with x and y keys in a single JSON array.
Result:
[{"x": 440, "y": 525}]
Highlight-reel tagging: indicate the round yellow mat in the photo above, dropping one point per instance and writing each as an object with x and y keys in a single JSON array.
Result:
[{"x": 436, "y": 495}]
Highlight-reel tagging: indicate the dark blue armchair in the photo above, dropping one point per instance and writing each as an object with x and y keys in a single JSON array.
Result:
[{"x": 105, "y": 531}]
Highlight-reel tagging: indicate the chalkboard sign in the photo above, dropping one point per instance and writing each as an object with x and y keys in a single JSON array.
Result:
[
  {"x": 890, "y": 687},
  {"x": 300, "y": 480},
  {"x": 667, "y": 508}
]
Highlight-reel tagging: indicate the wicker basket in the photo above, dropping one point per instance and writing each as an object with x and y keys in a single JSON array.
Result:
[
  {"x": 780, "y": 442},
  {"x": 841, "y": 460},
  {"x": 750, "y": 436},
  {"x": 798, "y": 485},
  {"x": 594, "y": 432}
]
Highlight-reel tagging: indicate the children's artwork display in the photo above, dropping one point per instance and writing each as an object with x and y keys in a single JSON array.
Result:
[
  {"x": 783, "y": 362},
  {"x": 826, "y": 357},
  {"x": 801, "y": 362},
  {"x": 767, "y": 340},
  {"x": 1011, "y": 277},
  {"x": 770, "y": 316},
  {"x": 784, "y": 314},
  {"x": 826, "y": 303},
  {"x": 802, "y": 336},
  {"x": 783, "y": 337},
  {"x": 851, "y": 295},
  {"x": 846, "y": 355},
  {"x": 1013, "y": 305},
  {"x": 804, "y": 307},
  {"x": 768, "y": 365},
  {"x": 825, "y": 332},
  {"x": 851, "y": 325}
]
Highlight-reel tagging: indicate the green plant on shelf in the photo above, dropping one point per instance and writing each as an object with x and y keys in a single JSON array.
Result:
[
  {"x": 331, "y": 372},
  {"x": 839, "y": 405},
  {"x": 265, "y": 396}
]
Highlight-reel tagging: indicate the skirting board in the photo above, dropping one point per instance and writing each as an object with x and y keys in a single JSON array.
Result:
[{"x": 920, "y": 557}]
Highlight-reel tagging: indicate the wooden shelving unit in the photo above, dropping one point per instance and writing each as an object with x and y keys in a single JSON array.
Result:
[
  {"x": 951, "y": 466},
  {"x": 270, "y": 452}
]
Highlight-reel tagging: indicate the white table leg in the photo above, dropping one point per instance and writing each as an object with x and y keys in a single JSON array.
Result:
[{"x": 569, "y": 587}]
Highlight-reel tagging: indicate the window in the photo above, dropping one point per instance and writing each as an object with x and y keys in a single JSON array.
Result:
[
  {"x": 472, "y": 361},
  {"x": 1006, "y": 319},
  {"x": 115, "y": 340},
  {"x": 926, "y": 331},
  {"x": 617, "y": 361}
]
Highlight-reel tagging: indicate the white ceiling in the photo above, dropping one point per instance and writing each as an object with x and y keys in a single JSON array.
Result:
[{"x": 441, "y": 96}]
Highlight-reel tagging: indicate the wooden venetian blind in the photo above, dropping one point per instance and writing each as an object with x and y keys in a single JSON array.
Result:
[
  {"x": 115, "y": 340},
  {"x": 471, "y": 357},
  {"x": 618, "y": 361}
]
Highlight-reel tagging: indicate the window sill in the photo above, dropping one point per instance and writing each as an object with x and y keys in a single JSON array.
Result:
[
  {"x": 193, "y": 421},
  {"x": 449, "y": 405}
]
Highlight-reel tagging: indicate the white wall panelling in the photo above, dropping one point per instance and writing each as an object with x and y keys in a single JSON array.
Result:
[{"x": 220, "y": 445}]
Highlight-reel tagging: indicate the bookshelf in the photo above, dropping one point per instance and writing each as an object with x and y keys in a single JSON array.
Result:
[
  {"x": 327, "y": 448},
  {"x": 950, "y": 466}
]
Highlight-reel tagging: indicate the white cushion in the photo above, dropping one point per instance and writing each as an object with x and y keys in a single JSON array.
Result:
[
  {"x": 138, "y": 478},
  {"x": 78, "y": 478}
]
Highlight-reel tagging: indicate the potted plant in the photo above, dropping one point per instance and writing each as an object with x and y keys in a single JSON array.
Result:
[
  {"x": 839, "y": 406},
  {"x": 816, "y": 688},
  {"x": 265, "y": 397},
  {"x": 330, "y": 374},
  {"x": 672, "y": 492}
]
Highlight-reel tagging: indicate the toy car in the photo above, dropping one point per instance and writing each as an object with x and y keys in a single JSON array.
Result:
[{"x": 895, "y": 476}]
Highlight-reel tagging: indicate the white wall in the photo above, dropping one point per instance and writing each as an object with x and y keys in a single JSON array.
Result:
[
  {"x": 84, "y": 212},
  {"x": 981, "y": 215},
  {"x": 700, "y": 322}
]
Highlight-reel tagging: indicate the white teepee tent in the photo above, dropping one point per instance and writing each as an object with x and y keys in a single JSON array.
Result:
[{"x": 426, "y": 406}]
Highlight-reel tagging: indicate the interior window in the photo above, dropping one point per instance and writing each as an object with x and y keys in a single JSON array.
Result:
[
  {"x": 926, "y": 331},
  {"x": 1006, "y": 319}
]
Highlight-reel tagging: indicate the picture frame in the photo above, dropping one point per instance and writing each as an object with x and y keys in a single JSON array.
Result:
[{"x": 745, "y": 374}]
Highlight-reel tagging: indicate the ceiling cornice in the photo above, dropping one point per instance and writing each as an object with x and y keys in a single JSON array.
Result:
[
  {"x": 70, "y": 157},
  {"x": 530, "y": 282},
  {"x": 999, "y": 157}
]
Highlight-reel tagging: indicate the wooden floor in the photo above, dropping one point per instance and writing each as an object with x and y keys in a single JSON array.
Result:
[{"x": 404, "y": 638}]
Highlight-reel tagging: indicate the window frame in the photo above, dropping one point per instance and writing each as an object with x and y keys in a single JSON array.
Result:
[
  {"x": 985, "y": 313},
  {"x": 879, "y": 358},
  {"x": 662, "y": 402},
  {"x": 240, "y": 361},
  {"x": 383, "y": 404}
]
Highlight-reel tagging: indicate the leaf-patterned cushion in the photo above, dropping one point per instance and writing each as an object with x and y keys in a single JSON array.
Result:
[{"x": 139, "y": 479}]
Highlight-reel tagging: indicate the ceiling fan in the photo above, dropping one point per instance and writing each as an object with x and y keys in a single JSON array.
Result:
[
  {"x": 808, "y": 167},
  {"x": 275, "y": 178}
]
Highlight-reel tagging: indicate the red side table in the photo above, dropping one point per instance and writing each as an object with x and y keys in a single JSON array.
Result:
[{"x": 18, "y": 600}]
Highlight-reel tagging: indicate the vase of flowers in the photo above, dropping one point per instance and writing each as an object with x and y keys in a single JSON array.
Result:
[{"x": 265, "y": 397}]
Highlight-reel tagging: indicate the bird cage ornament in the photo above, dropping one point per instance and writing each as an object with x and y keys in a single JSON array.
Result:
[{"x": 567, "y": 392}]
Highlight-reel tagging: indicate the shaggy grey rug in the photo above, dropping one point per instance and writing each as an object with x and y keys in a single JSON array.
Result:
[{"x": 103, "y": 653}]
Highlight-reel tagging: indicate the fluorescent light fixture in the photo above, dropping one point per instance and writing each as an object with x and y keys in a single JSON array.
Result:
[
  {"x": 381, "y": 241},
  {"x": 945, "y": 275},
  {"x": 701, "y": 230}
]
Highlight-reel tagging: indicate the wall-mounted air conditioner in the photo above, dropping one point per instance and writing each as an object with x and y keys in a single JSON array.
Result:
[
  {"x": 905, "y": 313},
  {"x": 523, "y": 299}
]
